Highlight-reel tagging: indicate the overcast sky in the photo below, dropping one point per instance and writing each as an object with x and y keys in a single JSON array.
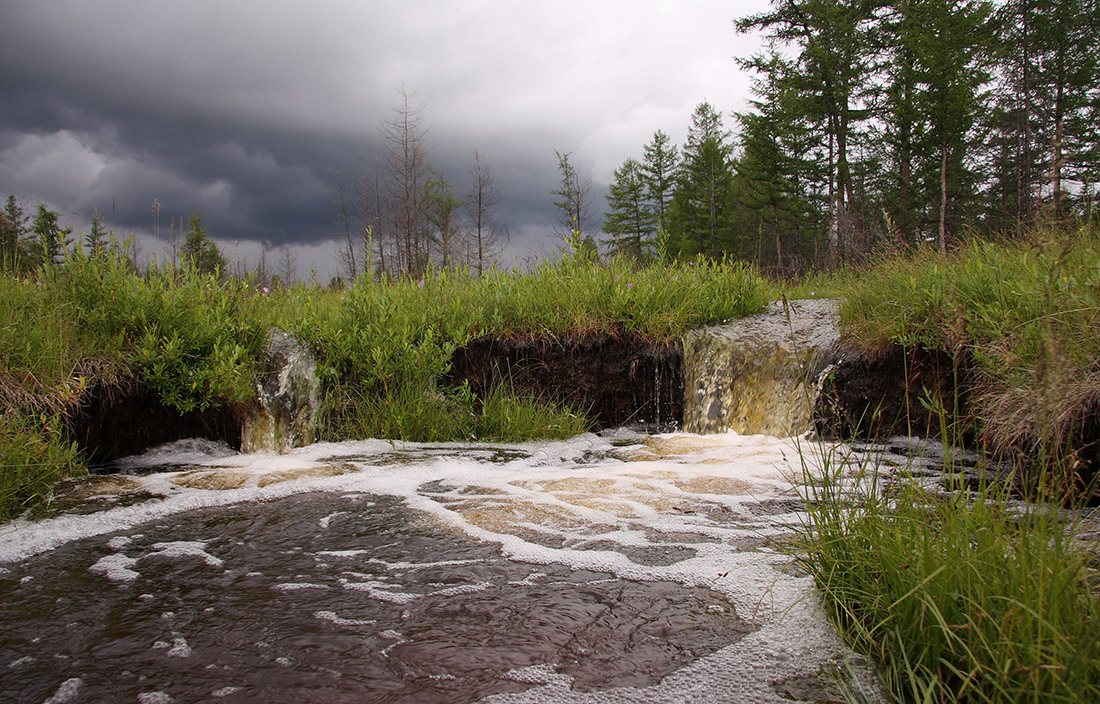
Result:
[{"x": 240, "y": 110}]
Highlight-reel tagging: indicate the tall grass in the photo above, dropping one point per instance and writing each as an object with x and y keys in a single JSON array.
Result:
[
  {"x": 960, "y": 597},
  {"x": 1027, "y": 313},
  {"x": 196, "y": 340}
]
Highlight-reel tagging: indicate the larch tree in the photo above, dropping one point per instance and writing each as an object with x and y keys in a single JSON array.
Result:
[
  {"x": 702, "y": 204},
  {"x": 660, "y": 159},
  {"x": 407, "y": 173},
  {"x": 482, "y": 202},
  {"x": 441, "y": 208},
  {"x": 572, "y": 203},
  {"x": 630, "y": 221},
  {"x": 199, "y": 251}
]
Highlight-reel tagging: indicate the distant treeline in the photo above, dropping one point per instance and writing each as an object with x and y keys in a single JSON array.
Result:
[{"x": 879, "y": 123}]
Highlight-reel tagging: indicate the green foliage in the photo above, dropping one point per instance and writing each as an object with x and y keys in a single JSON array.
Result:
[
  {"x": 199, "y": 251},
  {"x": 960, "y": 598},
  {"x": 383, "y": 346},
  {"x": 384, "y": 343},
  {"x": 1027, "y": 312},
  {"x": 13, "y": 227},
  {"x": 52, "y": 239},
  {"x": 700, "y": 216},
  {"x": 630, "y": 221},
  {"x": 33, "y": 456}
]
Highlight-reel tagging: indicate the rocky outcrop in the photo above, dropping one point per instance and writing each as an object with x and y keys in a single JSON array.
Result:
[{"x": 615, "y": 379}]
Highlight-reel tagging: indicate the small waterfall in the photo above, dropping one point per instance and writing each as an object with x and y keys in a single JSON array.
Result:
[
  {"x": 288, "y": 394},
  {"x": 758, "y": 375}
]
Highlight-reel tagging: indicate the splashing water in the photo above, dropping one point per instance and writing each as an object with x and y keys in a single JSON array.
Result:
[{"x": 615, "y": 568}]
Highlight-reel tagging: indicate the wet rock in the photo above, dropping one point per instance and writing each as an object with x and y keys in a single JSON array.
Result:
[
  {"x": 288, "y": 395},
  {"x": 758, "y": 375}
]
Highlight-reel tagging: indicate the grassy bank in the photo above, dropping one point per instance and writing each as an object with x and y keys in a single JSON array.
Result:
[
  {"x": 959, "y": 596},
  {"x": 1025, "y": 313},
  {"x": 967, "y": 596},
  {"x": 196, "y": 342}
]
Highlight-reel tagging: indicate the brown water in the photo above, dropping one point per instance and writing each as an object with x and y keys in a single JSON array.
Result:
[{"x": 597, "y": 570}]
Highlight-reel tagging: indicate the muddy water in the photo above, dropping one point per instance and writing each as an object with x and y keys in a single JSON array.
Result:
[{"x": 612, "y": 568}]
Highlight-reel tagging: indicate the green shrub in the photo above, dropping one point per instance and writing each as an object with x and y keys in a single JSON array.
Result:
[{"x": 33, "y": 457}]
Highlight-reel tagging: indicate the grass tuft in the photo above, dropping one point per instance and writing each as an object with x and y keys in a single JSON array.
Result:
[{"x": 960, "y": 597}]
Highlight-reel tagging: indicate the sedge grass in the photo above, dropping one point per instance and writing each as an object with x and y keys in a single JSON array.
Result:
[{"x": 959, "y": 596}]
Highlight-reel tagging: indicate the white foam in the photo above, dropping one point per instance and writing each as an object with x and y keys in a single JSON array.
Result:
[
  {"x": 154, "y": 698},
  {"x": 68, "y": 691},
  {"x": 714, "y": 498},
  {"x": 332, "y": 617},
  {"x": 187, "y": 548},
  {"x": 119, "y": 542},
  {"x": 380, "y": 591},
  {"x": 225, "y": 691},
  {"x": 20, "y": 662},
  {"x": 178, "y": 648},
  {"x": 116, "y": 568},
  {"x": 295, "y": 586}
]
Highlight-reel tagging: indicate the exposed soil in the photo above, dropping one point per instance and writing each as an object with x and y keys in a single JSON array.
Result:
[
  {"x": 117, "y": 420},
  {"x": 898, "y": 391},
  {"x": 615, "y": 379}
]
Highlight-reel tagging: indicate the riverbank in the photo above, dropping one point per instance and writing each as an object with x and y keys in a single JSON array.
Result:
[{"x": 193, "y": 343}]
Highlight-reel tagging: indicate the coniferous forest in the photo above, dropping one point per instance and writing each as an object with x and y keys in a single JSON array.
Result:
[{"x": 876, "y": 123}]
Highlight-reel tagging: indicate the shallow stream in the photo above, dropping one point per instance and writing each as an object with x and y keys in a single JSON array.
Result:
[{"x": 611, "y": 568}]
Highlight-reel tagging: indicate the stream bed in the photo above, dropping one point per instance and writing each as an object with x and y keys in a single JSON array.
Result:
[{"x": 607, "y": 568}]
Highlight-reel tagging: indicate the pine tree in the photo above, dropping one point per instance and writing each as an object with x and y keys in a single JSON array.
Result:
[{"x": 630, "y": 222}]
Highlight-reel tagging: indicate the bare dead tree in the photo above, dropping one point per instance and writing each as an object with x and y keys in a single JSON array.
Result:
[
  {"x": 482, "y": 201},
  {"x": 288, "y": 264},
  {"x": 344, "y": 226},
  {"x": 407, "y": 173},
  {"x": 374, "y": 210}
]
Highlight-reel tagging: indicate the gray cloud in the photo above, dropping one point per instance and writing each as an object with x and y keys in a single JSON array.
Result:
[{"x": 240, "y": 110}]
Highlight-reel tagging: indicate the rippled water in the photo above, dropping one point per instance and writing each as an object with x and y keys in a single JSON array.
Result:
[{"x": 613, "y": 568}]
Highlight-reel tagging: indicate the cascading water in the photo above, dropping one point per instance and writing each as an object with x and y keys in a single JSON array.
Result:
[
  {"x": 758, "y": 375},
  {"x": 288, "y": 393}
]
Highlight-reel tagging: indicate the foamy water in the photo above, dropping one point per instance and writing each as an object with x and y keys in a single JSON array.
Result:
[{"x": 613, "y": 568}]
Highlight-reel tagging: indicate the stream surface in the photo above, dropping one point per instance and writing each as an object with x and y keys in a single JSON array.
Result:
[{"x": 606, "y": 568}]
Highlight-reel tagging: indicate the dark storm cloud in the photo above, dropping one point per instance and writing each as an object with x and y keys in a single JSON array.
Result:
[{"x": 241, "y": 110}]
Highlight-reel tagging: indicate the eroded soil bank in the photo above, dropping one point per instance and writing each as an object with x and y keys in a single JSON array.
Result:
[{"x": 615, "y": 379}]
